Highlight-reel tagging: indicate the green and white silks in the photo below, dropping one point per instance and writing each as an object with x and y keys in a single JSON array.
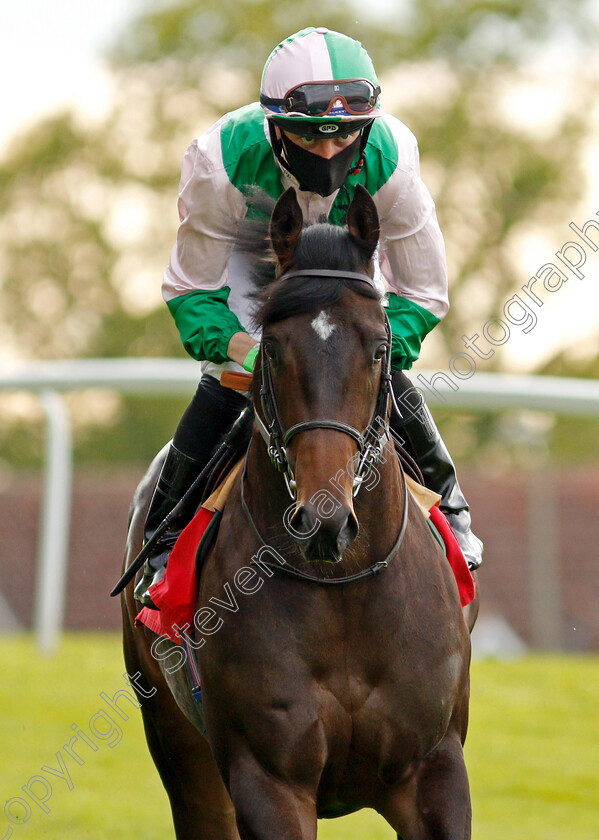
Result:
[{"x": 206, "y": 284}]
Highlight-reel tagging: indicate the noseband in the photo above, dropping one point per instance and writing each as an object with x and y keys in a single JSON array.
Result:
[{"x": 370, "y": 442}]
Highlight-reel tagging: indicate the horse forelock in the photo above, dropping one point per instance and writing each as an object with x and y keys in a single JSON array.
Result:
[
  {"x": 324, "y": 246},
  {"x": 321, "y": 245}
]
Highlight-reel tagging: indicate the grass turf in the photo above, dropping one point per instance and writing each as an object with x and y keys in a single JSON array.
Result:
[{"x": 532, "y": 750}]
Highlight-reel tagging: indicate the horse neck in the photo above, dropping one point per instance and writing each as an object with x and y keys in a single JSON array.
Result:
[
  {"x": 380, "y": 501},
  {"x": 266, "y": 490}
]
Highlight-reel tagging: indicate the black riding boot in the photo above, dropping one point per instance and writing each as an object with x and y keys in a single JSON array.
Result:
[
  {"x": 417, "y": 432},
  {"x": 211, "y": 413},
  {"x": 177, "y": 476}
]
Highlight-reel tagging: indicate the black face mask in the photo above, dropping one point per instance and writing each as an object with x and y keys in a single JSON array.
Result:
[{"x": 317, "y": 174}]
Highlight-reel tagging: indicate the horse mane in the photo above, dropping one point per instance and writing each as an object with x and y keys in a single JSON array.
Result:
[{"x": 321, "y": 245}]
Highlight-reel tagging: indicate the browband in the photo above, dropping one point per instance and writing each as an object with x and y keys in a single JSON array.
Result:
[{"x": 328, "y": 272}]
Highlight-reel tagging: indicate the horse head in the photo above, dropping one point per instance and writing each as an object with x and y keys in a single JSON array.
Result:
[{"x": 324, "y": 359}]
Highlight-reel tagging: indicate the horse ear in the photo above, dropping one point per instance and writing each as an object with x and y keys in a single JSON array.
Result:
[
  {"x": 363, "y": 219},
  {"x": 286, "y": 226}
]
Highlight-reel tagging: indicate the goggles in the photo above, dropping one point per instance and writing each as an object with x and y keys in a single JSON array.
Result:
[{"x": 355, "y": 97}]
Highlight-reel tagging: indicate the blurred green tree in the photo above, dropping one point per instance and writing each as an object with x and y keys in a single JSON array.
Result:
[{"x": 88, "y": 212}]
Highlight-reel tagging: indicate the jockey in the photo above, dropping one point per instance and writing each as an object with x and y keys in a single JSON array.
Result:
[{"x": 319, "y": 127}]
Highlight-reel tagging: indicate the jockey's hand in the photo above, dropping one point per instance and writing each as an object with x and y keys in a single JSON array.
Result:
[{"x": 239, "y": 346}]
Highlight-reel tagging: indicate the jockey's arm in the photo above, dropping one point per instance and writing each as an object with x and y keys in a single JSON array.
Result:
[
  {"x": 414, "y": 265},
  {"x": 195, "y": 284},
  {"x": 239, "y": 346}
]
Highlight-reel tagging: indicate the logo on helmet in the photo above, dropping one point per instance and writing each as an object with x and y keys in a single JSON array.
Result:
[{"x": 328, "y": 128}]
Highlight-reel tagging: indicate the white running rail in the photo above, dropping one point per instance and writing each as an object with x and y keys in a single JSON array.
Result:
[{"x": 483, "y": 391}]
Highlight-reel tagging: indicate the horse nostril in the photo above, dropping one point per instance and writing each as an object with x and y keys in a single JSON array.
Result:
[
  {"x": 348, "y": 532},
  {"x": 303, "y": 524},
  {"x": 323, "y": 538}
]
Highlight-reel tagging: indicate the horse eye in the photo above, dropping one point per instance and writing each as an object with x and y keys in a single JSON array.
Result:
[
  {"x": 381, "y": 352},
  {"x": 270, "y": 350}
]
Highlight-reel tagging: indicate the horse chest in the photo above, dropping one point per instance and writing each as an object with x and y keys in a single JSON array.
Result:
[{"x": 406, "y": 718}]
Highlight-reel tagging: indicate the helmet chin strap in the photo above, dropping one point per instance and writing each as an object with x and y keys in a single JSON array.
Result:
[
  {"x": 277, "y": 146},
  {"x": 363, "y": 142}
]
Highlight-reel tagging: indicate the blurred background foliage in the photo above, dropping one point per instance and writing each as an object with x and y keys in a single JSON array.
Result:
[{"x": 88, "y": 211}]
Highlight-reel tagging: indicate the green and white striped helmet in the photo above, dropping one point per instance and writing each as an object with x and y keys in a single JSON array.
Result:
[{"x": 320, "y": 82}]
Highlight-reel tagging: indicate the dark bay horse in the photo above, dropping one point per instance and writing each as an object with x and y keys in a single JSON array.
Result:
[{"x": 333, "y": 652}]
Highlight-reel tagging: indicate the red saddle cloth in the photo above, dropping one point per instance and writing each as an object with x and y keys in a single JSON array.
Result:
[
  {"x": 455, "y": 556},
  {"x": 176, "y": 594}
]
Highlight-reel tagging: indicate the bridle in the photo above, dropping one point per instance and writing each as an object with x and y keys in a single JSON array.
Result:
[{"x": 371, "y": 441}]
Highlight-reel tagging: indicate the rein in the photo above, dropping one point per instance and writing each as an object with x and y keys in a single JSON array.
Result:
[{"x": 370, "y": 442}]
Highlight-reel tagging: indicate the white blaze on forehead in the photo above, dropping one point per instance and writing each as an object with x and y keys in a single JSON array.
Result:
[{"x": 322, "y": 326}]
